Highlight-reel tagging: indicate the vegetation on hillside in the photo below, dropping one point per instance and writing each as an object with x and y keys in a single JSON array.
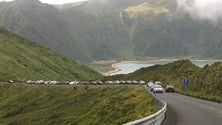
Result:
[
  {"x": 105, "y": 29},
  {"x": 82, "y": 32},
  {"x": 102, "y": 66},
  {"x": 83, "y": 105},
  {"x": 144, "y": 9},
  {"x": 204, "y": 82},
  {"x": 22, "y": 60}
]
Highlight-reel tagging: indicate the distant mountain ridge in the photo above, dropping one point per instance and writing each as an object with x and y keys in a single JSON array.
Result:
[
  {"x": 114, "y": 29},
  {"x": 22, "y": 60}
]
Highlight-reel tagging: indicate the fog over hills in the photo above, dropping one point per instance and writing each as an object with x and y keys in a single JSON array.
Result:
[
  {"x": 120, "y": 29},
  {"x": 202, "y": 9}
]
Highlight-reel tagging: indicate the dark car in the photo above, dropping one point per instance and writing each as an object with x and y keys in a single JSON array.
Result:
[{"x": 169, "y": 88}]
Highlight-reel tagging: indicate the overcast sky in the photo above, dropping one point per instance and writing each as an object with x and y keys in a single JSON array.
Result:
[
  {"x": 59, "y": 1},
  {"x": 54, "y": 1}
]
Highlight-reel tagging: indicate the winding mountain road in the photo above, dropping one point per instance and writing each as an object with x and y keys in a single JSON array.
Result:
[{"x": 185, "y": 110}]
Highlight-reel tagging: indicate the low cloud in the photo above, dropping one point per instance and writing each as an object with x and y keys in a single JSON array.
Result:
[{"x": 202, "y": 9}]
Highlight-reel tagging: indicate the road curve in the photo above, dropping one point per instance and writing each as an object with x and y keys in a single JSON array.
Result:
[{"x": 185, "y": 110}]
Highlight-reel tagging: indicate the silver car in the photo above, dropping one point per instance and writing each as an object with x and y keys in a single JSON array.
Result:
[{"x": 158, "y": 89}]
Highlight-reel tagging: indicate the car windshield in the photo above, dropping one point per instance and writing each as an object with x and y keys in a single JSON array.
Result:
[
  {"x": 157, "y": 86},
  {"x": 169, "y": 87}
]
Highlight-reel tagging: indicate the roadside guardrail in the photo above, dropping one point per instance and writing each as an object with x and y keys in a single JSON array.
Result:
[{"x": 154, "y": 119}]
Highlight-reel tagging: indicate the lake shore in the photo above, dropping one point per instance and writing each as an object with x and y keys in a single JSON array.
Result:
[{"x": 116, "y": 69}]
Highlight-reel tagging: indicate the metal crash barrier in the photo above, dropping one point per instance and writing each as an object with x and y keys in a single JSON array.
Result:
[{"x": 154, "y": 119}]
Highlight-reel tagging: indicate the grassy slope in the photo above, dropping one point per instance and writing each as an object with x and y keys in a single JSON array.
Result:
[
  {"x": 144, "y": 9},
  {"x": 34, "y": 105},
  {"x": 84, "y": 33},
  {"x": 21, "y": 59},
  {"x": 205, "y": 82}
]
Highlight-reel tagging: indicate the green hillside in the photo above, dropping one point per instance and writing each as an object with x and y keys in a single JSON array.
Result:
[
  {"x": 63, "y": 105},
  {"x": 114, "y": 29},
  {"x": 205, "y": 82},
  {"x": 22, "y": 60},
  {"x": 144, "y": 9},
  {"x": 81, "y": 32}
]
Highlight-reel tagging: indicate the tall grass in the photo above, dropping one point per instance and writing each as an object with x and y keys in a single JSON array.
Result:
[{"x": 83, "y": 105}]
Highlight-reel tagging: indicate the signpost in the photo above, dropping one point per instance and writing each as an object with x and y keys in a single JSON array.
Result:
[{"x": 186, "y": 82}]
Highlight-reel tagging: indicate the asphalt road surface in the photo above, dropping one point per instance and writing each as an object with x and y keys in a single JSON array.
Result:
[{"x": 185, "y": 110}]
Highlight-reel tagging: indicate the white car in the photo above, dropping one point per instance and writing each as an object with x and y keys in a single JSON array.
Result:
[
  {"x": 158, "y": 89},
  {"x": 150, "y": 84},
  {"x": 73, "y": 83},
  {"x": 141, "y": 82}
]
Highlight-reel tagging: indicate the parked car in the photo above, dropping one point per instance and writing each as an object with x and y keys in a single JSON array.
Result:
[
  {"x": 158, "y": 83},
  {"x": 141, "y": 82},
  {"x": 158, "y": 89},
  {"x": 122, "y": 82},
  {"x": 128, "y": 82},
  {"x": 150, "y": 84},
  {"x": 108, "y": 82},
  {"x": 151, "y": 87},
  {"x": 169, "y": 88},
  {"x": 99, "y": 82},
  {"x": 134, "y": 82},
  {"x": 73, "y": 83},
  {"x": 10, "y": 81}
]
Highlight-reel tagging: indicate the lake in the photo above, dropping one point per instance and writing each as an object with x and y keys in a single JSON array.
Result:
[{"x": 129, "y": 67}]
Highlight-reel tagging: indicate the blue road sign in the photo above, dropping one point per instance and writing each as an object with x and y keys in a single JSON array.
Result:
[{"x": 186, "y": 82}]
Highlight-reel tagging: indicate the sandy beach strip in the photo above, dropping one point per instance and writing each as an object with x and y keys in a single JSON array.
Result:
[{"x": 114, "y": 69}]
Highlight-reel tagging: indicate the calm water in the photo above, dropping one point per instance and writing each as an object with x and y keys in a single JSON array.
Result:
[{"x": 131, "y": 67}]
